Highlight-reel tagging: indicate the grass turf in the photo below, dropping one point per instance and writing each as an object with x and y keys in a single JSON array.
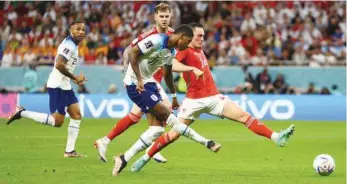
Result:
[{"x": 33, "y": 153}]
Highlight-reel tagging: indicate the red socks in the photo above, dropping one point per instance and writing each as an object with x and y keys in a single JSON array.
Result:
[
  {"x": 123, "y": 124},
  {"x": 258, "y": 127},
  {"x": 159, "y": 144}
]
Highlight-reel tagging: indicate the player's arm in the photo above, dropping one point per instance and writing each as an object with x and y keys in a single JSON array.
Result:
[
  {"x": 61, "y": 67},
  {"x": 134, "y": 61},
  {"x": 127, "y": 50},
  {"x": 170, "y": 84},
  {"x": 178, "y": 65},
  {"x": 143, "y": 47},
  {"x": 126, "y": 54},
  {"x": 168, "y": 77},
  {"x": 65, "y": 52}
]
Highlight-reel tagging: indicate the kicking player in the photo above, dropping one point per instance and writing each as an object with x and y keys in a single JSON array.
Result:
[
  {"x": 148, "y": 55},
  {"x": 60, "y": 92},
  {"x": 203, "y": 97},
  {"x": 162, "y": 18}
]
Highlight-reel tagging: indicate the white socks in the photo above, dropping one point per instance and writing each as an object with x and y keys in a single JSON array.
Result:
[
  {"x": 42, "y": 118},
  {"x": 72, "y": 130},
  {"x": 185, "y": 130},
  {"x": 146, "y": 139},
  {"x": 274, "y": 137},
  {"x": 106, "y": 140}
]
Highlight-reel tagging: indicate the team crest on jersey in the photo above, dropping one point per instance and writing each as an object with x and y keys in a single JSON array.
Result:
[
  {"x": 148, "y": 44},
  {"x": 201, "y": 58}
]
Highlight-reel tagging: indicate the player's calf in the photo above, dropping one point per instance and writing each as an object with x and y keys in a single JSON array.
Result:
[
  {"x": 42, "y": 118},
  {"x": 58, "y": 119}
]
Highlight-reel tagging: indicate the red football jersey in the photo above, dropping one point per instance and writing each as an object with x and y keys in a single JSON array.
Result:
[
  {"x": 204, "y": 86},
  {"x": 158, "y": 75}
]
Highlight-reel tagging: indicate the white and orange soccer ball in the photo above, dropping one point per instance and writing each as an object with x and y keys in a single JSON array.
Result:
[{"x": 324, "y": 164}]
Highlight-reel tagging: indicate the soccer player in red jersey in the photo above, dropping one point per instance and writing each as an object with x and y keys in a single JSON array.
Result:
[{"x": 203, "y": 97}]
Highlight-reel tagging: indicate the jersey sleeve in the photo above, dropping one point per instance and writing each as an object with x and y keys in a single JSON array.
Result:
[
  {"x": 150, "y": 43},
  {"x": 66, "y": 50},
  {"x": 143, "y": 35},
  {"x": 182, "y": 55}
]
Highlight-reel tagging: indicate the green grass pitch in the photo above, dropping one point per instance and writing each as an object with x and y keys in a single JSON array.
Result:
[{"x": 33, "y": 153}]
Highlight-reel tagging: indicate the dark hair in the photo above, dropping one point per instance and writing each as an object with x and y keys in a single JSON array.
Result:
[
  {"x": 185, "y": 30},
  {"x": 76, "y": 22},
  {"x": 193, "y": 25}
]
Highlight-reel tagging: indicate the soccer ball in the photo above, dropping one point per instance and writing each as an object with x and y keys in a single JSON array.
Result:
[{"x": 324, "y": 164}]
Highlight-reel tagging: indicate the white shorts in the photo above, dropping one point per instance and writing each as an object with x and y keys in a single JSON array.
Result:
[{"x": 192, "y": 108}]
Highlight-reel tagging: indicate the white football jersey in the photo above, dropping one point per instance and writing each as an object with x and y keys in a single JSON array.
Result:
[
  {"x": 154, "y": 54},
  {"x": 68, "y": 48}
]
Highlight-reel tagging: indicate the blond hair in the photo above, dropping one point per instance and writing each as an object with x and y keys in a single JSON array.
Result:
[{"x": 162, "y": 7}]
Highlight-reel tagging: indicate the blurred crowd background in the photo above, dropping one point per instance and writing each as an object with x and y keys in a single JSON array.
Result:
[{"x": 310, "y": 34}]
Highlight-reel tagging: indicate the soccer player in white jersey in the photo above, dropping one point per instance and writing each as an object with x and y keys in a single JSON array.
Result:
[
  {"x": 162, "y": 16},
  {"x": 201, "y": 99},
  {"x": 60, "y": 92},
  {"x": 145, "y": 58}
]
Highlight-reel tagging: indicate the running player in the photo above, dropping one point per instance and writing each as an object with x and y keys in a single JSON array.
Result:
[
  {"x": 203, "y": 97},
  {"x": 162, "y": 18},
  {"x": 60, "y": 92},
  {"x": 148, "y": 55}
]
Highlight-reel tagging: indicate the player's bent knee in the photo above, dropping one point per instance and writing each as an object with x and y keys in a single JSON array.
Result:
[
  {"x": 58, "y": 119},
  {"x": 58, "y": 123},
  {"x": 76, "y": 116},
  {"x": 165, "y": 113},
  {"x": 173, "y": 135},
  {"x": 152, "y": 133},
  {"x": 242, "y": 118}
]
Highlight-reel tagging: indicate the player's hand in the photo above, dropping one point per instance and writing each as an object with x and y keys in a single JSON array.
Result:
[
  {"x": 197, "y": 73},
  {"x": 175, "y": 105},
  {"x": 80, "y": 79},
  {"x": 140, "y": 86}
]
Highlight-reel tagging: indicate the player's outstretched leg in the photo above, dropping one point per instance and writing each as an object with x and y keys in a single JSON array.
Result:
[
  {"x": 284, "y": 135},
  {"x": 42, "y": 118},
  {"x": 158, "y": 157},
  {"x": 145, "y": 140},
  {"x": 15, "y": 114},
  {"x": 163, "y": 141},
  {"x": 169, "y": 137},
  {"x": 122, "y": 125},
  {"x": 234, "y": 112},
  {"x": 163, "y": 114}
]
